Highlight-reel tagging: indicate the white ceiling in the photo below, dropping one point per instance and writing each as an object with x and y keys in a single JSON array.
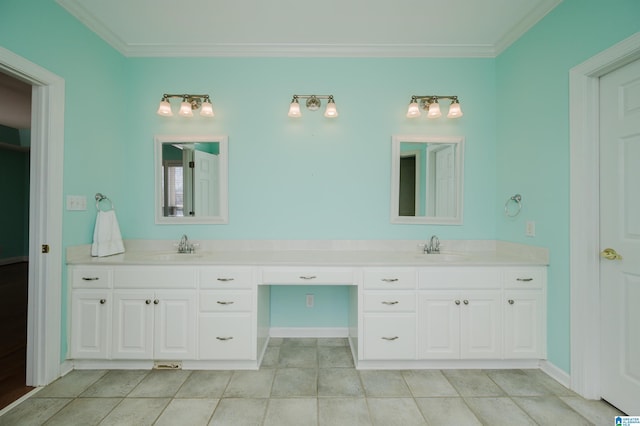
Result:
[{"x": 354, "y": 28}]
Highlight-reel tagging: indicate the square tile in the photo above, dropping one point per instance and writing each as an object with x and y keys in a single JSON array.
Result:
[
  {"x": 343, "y": 412},
  {"x": 550, "y": 383},
  {"x": 298, "y": 356},
  {"x": 71, "y": 385},
  {"x": 250, "y": 384},
  {"x": 292, "y": 412},
  {"x": 271, "y": 357},
  {"x": 598, "y": 412},
  {"x": 115, "y": 384},
  {"x": 499, "y": 412},
  {"x": 295, "y": 382},
  {"x": 442, "y": 411},
  {"x": 83, "y": 411},
  {"x": 517, "y": 383},
  {"x": 239, "y": 411},
  {"x": 337, "y": 341},
  {"x": 300, "y": 341},
  {"x": 136, "y": 412},
  {"x": 339, "y": 382},
  {"x": 334, "y": 356},
  {"x": 428, "y": 383},
  {"x": 385, "y": 383},
  {"x": 193, "y": 412},
  {"x": 34, "y": 411},
  {"x": 550, "y": 410},
  {"x": 160, "y": 384},
  {"x": 395, "y": 412},
  {"x": 472, "y": 383},
  {"x": 205, "y": 384}
]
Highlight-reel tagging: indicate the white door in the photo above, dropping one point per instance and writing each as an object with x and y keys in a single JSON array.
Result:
[
  {"x": 522, "y": 324},
  {"x": 205, "y": 184},
  {"x": 480, "y": 325},
  {"x": 132, "y": 325},
  {"x": 90, "y": 317},
  {"x": 445, "y": 176},
  {"x": 174, "y": 324},
  {"x": 439, "y": 325},
  {"x": 620, "y": 231}
]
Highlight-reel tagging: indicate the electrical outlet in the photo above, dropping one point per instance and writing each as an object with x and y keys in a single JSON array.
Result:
[
  {"x": 309, "y": 300},
  {"x": 76, "y": 202},
  {"x": 530, "y": 230}
]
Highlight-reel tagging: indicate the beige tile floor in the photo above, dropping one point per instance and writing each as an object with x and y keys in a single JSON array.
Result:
[{"x": 308, "y": 382}]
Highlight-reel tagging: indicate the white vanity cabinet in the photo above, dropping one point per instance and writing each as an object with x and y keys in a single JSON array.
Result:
[
  {"x": 459, "y": 313},
  {"x": 524, "y": 312},
  {"x": 226, "y": 313},
  {"x": 388, "y": 314},
  {"x": 91, "y": 302}
]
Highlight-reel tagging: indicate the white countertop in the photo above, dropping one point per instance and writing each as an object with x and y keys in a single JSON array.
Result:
[{"x": 318, "y": 253}]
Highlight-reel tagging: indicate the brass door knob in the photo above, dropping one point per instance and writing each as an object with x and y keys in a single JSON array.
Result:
[{"x": 610, "y": 254}]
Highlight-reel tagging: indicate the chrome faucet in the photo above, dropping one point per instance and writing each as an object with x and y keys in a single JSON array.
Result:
[
  {"x": 433, "y": 246},
  {"x": 184, "y": 246}
]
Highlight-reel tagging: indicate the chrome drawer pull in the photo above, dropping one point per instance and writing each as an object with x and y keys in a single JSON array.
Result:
[
  {"x": 389, "y": 280},
  {"x": 225, "y": 279},
  {"x": 390, "y": 338},
  {"x": 224, "y": 339},
  {"x": 390, "y": 303},
  {"x": 90, "y": 278},
  {"x": 526, "y": 280},
  {"x": 307, "y": 277},
  {"x": 224, "y": 303}
]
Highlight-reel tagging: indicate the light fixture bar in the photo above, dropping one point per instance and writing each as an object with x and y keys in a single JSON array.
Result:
[
  {"x": 430, "y": 104},
  {"x": 313, "y": 103},
  {"x": 188, "y": 105}
]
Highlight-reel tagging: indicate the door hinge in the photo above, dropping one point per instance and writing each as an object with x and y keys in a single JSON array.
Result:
[
  {"x": 45, "y": 248},
  {"x": 192, "y": 164}
]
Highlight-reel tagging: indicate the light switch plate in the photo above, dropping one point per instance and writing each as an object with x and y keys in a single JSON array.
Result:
[
  {"x": 76, "y": 202},
  {"x": 530, "y": 231}
]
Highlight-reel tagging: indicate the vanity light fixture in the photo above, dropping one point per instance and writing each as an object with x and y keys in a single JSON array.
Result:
[
  {"x": 187, "y": 106},
  {"x": 313, "y": 103},
  {"x": 430, "y": 104}
]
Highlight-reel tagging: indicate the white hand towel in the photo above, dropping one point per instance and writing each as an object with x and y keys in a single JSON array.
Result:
[{"x": 107, "y": 239}]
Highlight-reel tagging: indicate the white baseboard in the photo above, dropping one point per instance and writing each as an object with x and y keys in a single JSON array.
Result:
[
  {"x": 317, "y": 332},
  {"x": 556, "y": 373}
]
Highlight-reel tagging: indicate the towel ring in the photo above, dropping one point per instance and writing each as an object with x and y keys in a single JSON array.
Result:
[
  {"x": 517, "y": 199},
  {"x": 99, "y": 198}
]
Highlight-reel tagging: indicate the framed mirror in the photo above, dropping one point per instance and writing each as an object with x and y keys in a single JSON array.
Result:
[
  {"x": 191, "y": 179},
  {"x": 426, "y": 179}
]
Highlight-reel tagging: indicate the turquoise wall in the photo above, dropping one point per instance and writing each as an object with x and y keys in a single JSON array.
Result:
[
  {"x": 533, "y": 135},
  {"x": 315, "y": 178}
]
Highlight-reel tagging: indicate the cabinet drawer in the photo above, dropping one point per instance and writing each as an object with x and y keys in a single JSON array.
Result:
[
  {"x": 384, "y": 301},
  {"x": 524, "y": 277},
  {"x": 225, "y": 301},
  {"x": 226, "y": 336},
  {"x": 388, "y": 336},
  {"x": 226, "y": 277},
  {"x": 91, "y": 277},
  {"x": 154, "y": 277},
  {"x": 459, "y": 277},
  {"x": 309, "y": 276},
  {"x": 389, "y": 278}
]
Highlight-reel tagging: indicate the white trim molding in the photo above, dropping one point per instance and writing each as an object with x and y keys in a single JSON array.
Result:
[
  {"x": 45, "y": 217},
  {"x": 584, "y": 211}
]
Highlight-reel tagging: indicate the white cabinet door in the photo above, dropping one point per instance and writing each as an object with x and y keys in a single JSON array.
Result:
[
  {"x": 90, "y": 318},
  {"x": 174, "y": 324},
  {"x": 226, "y": 336},
  {"x": 523, "y": 324},
  {"x": 132, "y": 325},
  {"x": 480, "y": 325},
  {"x": 389, "y": 336},
  {"x": 439, "y": 325}
]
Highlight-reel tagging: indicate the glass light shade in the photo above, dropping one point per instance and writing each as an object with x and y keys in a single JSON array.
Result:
[
  {"x": 185, "y": 109},
  {"x": 331, "y": 111},
  {"x": 207, "y": 109},
  {"x": 454, "y": 110},
  {"x": 414, "y": 110},
  {"x": 434, "y": 110},
  {"x": 165, "y": 109},
  {"x": 294, "y": 110}
]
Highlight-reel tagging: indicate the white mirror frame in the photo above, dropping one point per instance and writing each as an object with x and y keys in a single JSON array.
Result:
[
  {"x": 222, "y": 140},
  {"x": 396, "y": 140}
]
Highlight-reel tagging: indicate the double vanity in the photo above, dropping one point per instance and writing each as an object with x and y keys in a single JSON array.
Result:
[{"x": 477, "y": 304}]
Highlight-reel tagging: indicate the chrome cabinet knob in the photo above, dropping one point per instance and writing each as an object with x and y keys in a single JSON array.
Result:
[
  {"x": 103, "y": 301},
  {"x": 511, "y": 301},
  {"x": 457, "y": 302},
  {"x": 148, "y": 301}
]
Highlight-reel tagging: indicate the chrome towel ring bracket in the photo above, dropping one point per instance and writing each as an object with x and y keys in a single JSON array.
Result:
[
  {"x": 99, "y": 198},
  {"x": 513, "y": 206}
]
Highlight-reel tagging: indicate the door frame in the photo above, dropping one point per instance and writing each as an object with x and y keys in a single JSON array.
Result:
[
  {"x": 44, "y": 311},
  {"x": 584, "y": 111}
]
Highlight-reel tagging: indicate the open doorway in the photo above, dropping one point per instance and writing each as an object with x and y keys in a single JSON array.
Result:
[{"x": 15, "y": 147}]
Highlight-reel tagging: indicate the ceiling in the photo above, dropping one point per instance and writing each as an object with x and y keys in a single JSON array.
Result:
[
  {"x": 15, "y": 103},
  {"x": 339, "y": 28}
]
